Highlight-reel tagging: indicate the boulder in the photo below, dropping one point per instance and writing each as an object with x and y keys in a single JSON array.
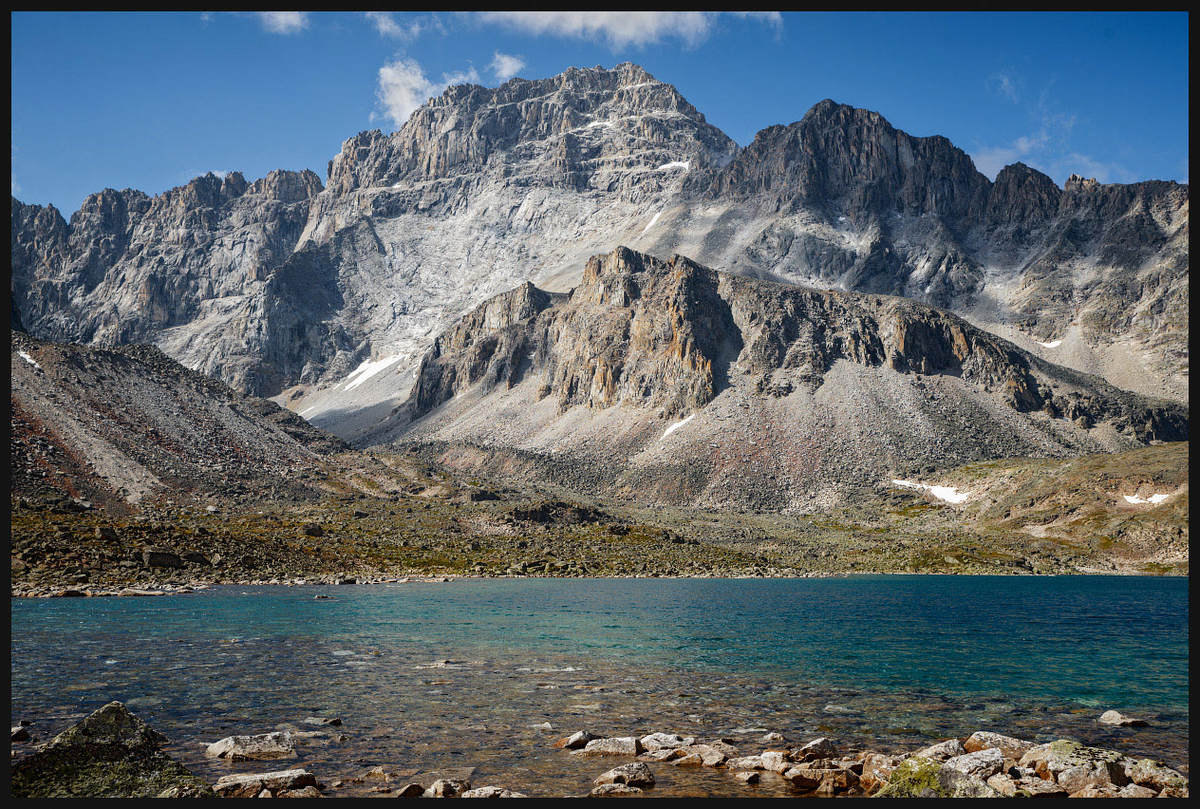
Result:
[
  {"x": 109, "y": 754},
  {"x": 666, "y": 741},
  {"x": 746, "y": 763},
  {"x": 916, "y": 777},
  {"x": 957, "y": 783},
  {"x": 710, "y": 754},
  {"x": 1048, "y": 760},
  {"x": 1121, "y": 720},
  {"x": 1010, "y": 747},
  {"x": 817, "y": 748},
  {"x": 447, "y": 788},
  {"x": 1037, "y": 787},
  {"x": 410, "y": 791},
  {"x": 876, "y": 769},
  {"x": 249, "y": 786},
  {"x": 775, "y": 761},
  {"x": 982, "y": 764},
  {"x": 618, "y": 746},
  {"x": 634, "y": 774},
  {"x": 942, "y": 750},
  {"x": 161, "y": 557},
  {"x": 264, "y": 746},
  {"x": 1154, "y": 774},
  {"x": 1006, "y": 786},
  {"x": 748, "y": 777},
  {"x": 575, "y": 740}
]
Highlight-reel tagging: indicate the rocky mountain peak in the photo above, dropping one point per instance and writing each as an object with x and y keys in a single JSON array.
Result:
[
  {"x": 1022, "y": 194},
  {"x": 852, "y": 160},
  {"x": 581, "y": 121},
  {"x": 287, "y": 186}
]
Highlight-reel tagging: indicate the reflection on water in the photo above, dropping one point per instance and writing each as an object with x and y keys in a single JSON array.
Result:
[{"x": 434, "y": 677}]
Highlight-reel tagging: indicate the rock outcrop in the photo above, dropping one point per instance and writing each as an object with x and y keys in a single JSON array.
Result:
[
  {"x": 811, "y": 374},
  {"x": 110, "y": 754}
]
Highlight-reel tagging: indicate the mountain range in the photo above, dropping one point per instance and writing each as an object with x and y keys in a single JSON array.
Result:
[{"x": 327, "y": 295}]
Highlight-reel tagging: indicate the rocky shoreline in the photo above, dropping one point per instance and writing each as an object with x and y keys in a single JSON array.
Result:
[
  {"x": 113, "y": 753},
  {"x": 152, "y": 589}
]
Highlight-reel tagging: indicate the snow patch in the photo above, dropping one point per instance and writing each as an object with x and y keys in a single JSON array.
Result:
[
  {"x": 34, "y": 362},
  {"x": 307, "y": 410},
  {"x": 1051, "y": 344},
  {"x": 677, "y": 425},
  {"x": 595, "y": 124},
  {"x": 675, "y": 164},
  {"x": 1154, "y": 498},
  {"x": 948, "y": 493},
  {"x": 367, "y": 370},
  {"x": 652, "y": 221}
]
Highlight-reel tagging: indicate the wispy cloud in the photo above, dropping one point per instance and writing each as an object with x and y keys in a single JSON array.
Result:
[
  {"x": 403, "y": 87},
  {"x": 283, "y": 22},
  {"x": 1047, "y": 147},
  {"x": 1005, "y": 84},
  {"x": 388, "y": 26},
  {"x": 621, "y": 28},
  {"x": 505, "y": 66}
]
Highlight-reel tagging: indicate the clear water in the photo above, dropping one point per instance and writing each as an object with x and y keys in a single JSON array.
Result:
[{"x": 880, "y": 662}]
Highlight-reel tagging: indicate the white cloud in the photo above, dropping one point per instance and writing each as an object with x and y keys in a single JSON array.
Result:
[
  {"x": 403, "y": 87},
  {"x": 284, "y": 22},
  {"x": 16, "y": 187},
  {"x": 621, "y": 28},
  {"x": 387, "y": 26},
  {"x": 505, "y": 66}
]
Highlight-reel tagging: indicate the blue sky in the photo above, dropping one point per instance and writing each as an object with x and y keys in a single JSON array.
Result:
[{"x": 150, "y": 100}]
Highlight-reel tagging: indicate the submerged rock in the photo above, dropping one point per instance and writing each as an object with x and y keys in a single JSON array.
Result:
[{"x": 110, "y": 754}]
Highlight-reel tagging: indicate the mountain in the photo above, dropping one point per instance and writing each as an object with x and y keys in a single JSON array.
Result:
[
  {"x": 326, "y": 295},
  {"x": 116, "y": 426},
  {"x": 672, "y": 382}
]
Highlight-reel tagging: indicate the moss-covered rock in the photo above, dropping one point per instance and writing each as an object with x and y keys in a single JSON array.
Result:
[
  {"x": 110, "y": 754},
  {"x": 916, "y": 777}
]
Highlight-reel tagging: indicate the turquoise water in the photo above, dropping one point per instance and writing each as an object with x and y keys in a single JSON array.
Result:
[{"x": 883, "y": 661}]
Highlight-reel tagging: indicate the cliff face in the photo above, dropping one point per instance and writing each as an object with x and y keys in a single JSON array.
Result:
[
  {"x": 667, "y": 335},
  {"x": 186, "y": 269},
  {"x": 286, "y": 284}
]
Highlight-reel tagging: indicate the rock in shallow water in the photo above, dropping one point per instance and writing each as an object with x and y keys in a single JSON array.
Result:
[
  {"x": 634, "y": 774},
  {"x": 110, "y": 754},
  {"x": 1121, "y": 720},
  {"x": 249, "y": 786},
  {"x": 264, "y": 746}
]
